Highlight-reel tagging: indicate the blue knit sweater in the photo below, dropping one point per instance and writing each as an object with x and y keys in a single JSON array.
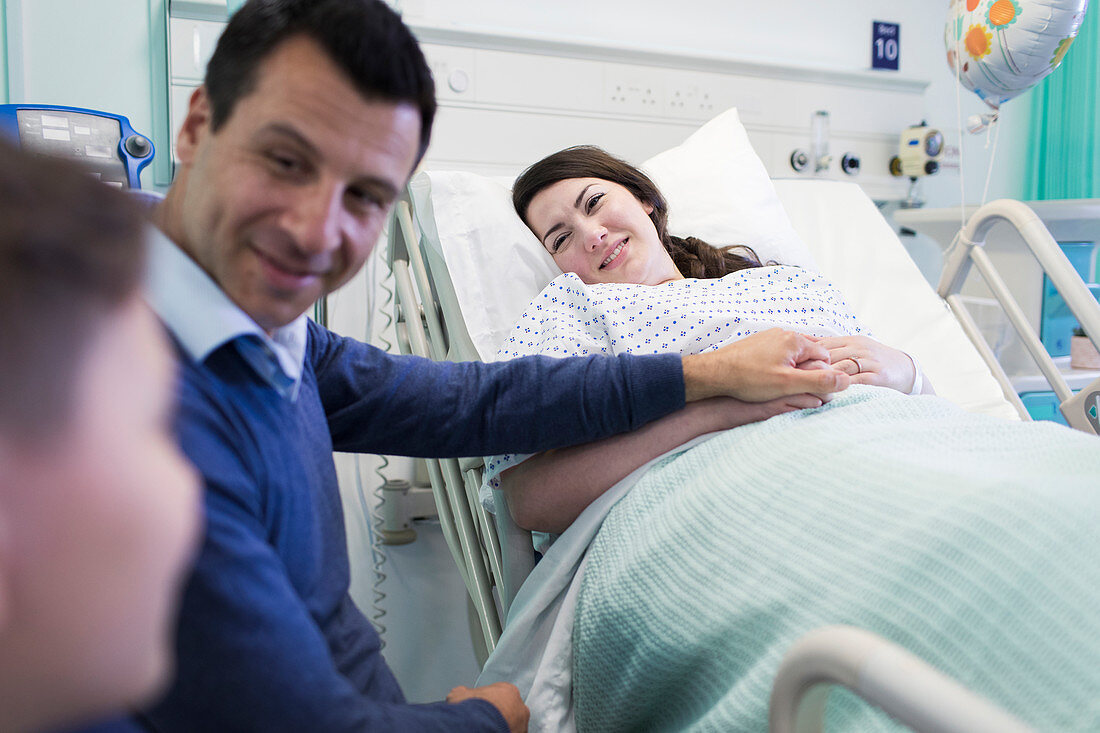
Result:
[{"x": 269, "y": 639}]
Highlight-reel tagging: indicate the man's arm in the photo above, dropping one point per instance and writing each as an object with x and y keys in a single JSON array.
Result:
[
  {"x": 404, "y": 405},
  {"x": 250, "y": 656},
  {"x": 501, "y": 694},
  {"x": 380, "y": 403}
]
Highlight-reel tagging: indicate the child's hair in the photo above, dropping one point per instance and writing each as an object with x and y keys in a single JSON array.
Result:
[{"x": 71, "y": 251}]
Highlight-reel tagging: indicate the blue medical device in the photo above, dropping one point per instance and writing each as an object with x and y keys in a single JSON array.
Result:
[{"x": 105, "y": 142}]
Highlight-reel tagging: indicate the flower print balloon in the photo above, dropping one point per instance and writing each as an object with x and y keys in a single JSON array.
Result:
[{"x": 1000, "y": 48}]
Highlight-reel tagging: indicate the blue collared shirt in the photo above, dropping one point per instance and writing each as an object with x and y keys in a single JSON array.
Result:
[{"x": 202, "y": 318}]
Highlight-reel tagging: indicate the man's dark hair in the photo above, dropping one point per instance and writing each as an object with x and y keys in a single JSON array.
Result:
[
  {"x": 364, "y": 38},
  {"x": 71, "y": 253}
]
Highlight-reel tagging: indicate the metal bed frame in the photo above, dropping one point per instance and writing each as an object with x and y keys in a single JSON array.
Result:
[
  {"x": 491, "y": 551},
  {"x": 494, "y": 555},
  {"x": 968, "y": 250}
]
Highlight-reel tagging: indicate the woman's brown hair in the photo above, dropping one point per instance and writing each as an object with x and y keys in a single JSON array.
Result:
[{"x": 693, "y": 257}]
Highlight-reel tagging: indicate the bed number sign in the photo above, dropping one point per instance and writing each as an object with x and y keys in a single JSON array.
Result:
[{"x": 885, "y": 45}]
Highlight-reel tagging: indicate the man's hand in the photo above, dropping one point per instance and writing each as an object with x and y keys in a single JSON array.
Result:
[
  {"x": 763, "y": 367},
  {"x": 504, "y": 696}
]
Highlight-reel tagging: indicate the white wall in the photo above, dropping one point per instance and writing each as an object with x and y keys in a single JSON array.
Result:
[
  {"x": 3, "y": 52},
  {"x": 97, "y": 54},
  {"x": 831, "y": 35}
]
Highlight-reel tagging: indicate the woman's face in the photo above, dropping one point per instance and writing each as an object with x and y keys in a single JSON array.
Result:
[{"x": 600, "y": 231}]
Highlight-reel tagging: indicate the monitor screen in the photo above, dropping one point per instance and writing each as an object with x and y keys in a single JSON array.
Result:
[
  {"x": 1057, "y": 322},
  {"x": 90, "y": 139}
]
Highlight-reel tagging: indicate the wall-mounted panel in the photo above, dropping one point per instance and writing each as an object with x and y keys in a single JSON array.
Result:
[
  {"x": 191, "y": 43},
  {"x": 3, "y": 52},
  {"x": 834, "y": 34},
  {"x": 501, "y": 109}
]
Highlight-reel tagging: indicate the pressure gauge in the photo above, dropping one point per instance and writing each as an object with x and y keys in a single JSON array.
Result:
[
  {"x": 933, "y": 143},
  {"x": 919, "y": 152}
]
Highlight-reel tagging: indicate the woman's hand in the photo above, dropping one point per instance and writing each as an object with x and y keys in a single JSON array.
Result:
[
  {"x": 733, "y": 413},
  {"x": 867, "y": 361}
]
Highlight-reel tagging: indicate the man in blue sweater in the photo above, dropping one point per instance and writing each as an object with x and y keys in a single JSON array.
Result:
[{"x": 312, "y": 117}]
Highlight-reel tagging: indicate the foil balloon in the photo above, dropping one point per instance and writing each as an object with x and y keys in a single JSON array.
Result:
[{"x": 1000, "y": 48}]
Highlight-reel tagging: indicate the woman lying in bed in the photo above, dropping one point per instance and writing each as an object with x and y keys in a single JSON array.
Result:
[
  {"x": 604, "y": 223},
  {"x": 967, "y": 539}
]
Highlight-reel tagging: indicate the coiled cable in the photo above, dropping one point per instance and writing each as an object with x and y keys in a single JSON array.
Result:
[{"x": 372, "y": 518}]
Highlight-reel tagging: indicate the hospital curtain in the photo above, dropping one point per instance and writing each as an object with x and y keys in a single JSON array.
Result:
[{"x": 1065, "y": 122}]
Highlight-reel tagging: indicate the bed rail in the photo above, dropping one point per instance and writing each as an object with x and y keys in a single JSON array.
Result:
[
  {"x": 1080, "y": 411},
  {"x": 904, "y": 686},
  {"x": 471, "y": 537}
]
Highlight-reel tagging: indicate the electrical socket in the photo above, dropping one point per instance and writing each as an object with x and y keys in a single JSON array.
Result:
[
  {"x": 632, "y": 94},
  {"x": 704, "y": 105},
  {"x": 690, "y": 101},
  {"x": 679, "y": 101},
  {"x": 659, "y": 92}
]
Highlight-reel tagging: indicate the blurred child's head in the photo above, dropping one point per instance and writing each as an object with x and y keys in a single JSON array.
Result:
[{"x": 98, "y": 509}]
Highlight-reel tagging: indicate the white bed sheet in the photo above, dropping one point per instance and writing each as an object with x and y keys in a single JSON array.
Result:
[{"x": 858, "y": 252}]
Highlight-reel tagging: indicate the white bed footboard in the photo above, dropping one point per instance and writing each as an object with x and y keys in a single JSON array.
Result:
[{"x": 883, "y": 674}]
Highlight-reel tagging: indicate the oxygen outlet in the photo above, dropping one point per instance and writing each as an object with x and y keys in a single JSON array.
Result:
[{"x": 850, "y": 164}]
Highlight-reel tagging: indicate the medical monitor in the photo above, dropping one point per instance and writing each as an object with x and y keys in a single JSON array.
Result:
[
  {"x": 105, "y": 143},
  {"x": 1056, "y": 321}
]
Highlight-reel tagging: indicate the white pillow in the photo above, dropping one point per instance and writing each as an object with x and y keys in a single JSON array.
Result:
[
  {"x": 717, "y": 190},
  {"x": 496, "y": 265}
]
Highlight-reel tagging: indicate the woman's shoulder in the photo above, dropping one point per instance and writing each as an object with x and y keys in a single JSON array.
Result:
[
  {"x": 564, "y": 281},
  {"x": 775, "y": 274}
]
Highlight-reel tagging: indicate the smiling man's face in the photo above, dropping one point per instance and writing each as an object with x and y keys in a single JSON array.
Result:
[{"x": 285, "y": 201}]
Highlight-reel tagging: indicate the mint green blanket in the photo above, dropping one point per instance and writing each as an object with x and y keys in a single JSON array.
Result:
[{"x": 971, "y": 541}]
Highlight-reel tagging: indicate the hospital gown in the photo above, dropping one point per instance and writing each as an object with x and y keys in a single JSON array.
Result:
[{"x": 690, "y": 316}]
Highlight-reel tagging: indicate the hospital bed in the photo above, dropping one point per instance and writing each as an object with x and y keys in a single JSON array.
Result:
[{"x": 465, "y": 268}]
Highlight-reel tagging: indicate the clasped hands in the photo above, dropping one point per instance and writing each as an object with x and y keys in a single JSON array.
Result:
[{"x": 775, "y": 364}]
